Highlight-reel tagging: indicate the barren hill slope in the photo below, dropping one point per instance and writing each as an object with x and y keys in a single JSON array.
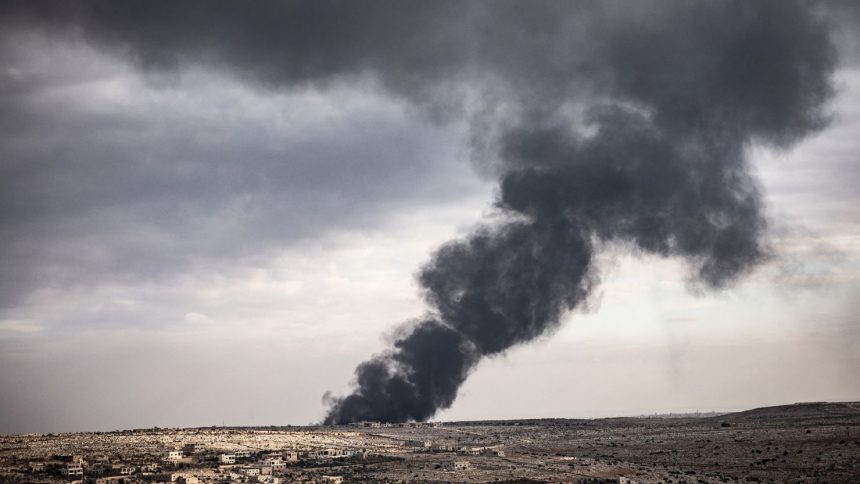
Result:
[{"x": 799, "y": 411}]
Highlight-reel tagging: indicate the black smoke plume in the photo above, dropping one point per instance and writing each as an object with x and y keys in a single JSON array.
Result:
[
  {"x": 607, "y": 122},
  {"x": 662, "y": 169}
]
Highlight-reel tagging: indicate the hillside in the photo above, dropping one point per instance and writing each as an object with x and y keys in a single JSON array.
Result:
[{"x": 798, "y": 411}]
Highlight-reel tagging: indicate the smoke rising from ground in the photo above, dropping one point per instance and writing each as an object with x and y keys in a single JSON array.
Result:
[
  {"x": 663, "y": 170},
  {"x": 606, "y": 122}
]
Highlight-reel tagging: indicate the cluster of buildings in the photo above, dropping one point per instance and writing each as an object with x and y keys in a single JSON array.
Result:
[
  {"x": 458, "y": 465},
  {"x": 246, "y": 464},
  {"x": 412, "y": 425},
  {"x": 75, "y": 466},
  {"x": 192, "y": 464},
  {"x": 490, "y": 450},
  {"x": 99, "y": 470},
  {"x": 184, "y": 465}
]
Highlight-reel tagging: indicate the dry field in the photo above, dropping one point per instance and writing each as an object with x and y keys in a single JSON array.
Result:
[{"x": 817, "y": 442}]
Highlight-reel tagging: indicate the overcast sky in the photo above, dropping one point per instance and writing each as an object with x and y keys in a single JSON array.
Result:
[{"x": 190, "y": 237}]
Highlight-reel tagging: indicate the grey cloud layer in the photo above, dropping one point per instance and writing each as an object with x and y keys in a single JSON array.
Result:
[
  {"x": 108, "y": 178},
  {"x": 606, "y": 121}
]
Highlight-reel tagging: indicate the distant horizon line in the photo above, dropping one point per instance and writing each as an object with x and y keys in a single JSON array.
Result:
[{"x": 679, "y": 414}]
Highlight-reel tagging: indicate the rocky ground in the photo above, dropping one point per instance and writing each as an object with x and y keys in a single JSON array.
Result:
[{"x": 817, "y": 442}]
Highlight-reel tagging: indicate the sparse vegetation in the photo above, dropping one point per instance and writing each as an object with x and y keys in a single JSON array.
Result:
[{"x": 771, "y": 446}]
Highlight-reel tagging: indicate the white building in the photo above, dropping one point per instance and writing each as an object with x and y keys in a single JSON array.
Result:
[
  {"x": 227, "y": 458},
  {"x": 276, "y": 462},
  {"x": 334, "y": 453},
  {"x": 175, "y": 455},
  {"x": 466, "y": 450}
]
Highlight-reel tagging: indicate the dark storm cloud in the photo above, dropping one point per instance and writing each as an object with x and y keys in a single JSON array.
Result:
[
  {"x": 606, "y": 122},
  {"x": 108, "y": 179}
]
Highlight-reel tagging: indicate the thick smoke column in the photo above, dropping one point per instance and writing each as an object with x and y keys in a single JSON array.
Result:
[
  {"x": 606, "y": 122},
  {"x": 663, "y": 170}
]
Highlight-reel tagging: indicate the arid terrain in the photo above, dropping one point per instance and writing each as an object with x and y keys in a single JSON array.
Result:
[{"x": 810, "y": 442}]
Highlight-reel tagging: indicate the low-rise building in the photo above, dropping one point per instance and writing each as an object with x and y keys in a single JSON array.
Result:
[
  {"x": 73, "y": 469},
  {"x": 470, "y": 450},
  {"x": 333, "y": 453},
  {"x": 494, "y": 451},
  {"x": 275, "y": 461},
  {"x": 175, "y": 455}
]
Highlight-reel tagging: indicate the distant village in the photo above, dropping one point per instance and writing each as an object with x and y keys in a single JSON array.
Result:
[
  {"x": 810, "y": 442},
  {"x": 193, "y": 463}
]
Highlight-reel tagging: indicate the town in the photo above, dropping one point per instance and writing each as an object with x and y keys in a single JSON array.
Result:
[{"x": 219, "y": 454}]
